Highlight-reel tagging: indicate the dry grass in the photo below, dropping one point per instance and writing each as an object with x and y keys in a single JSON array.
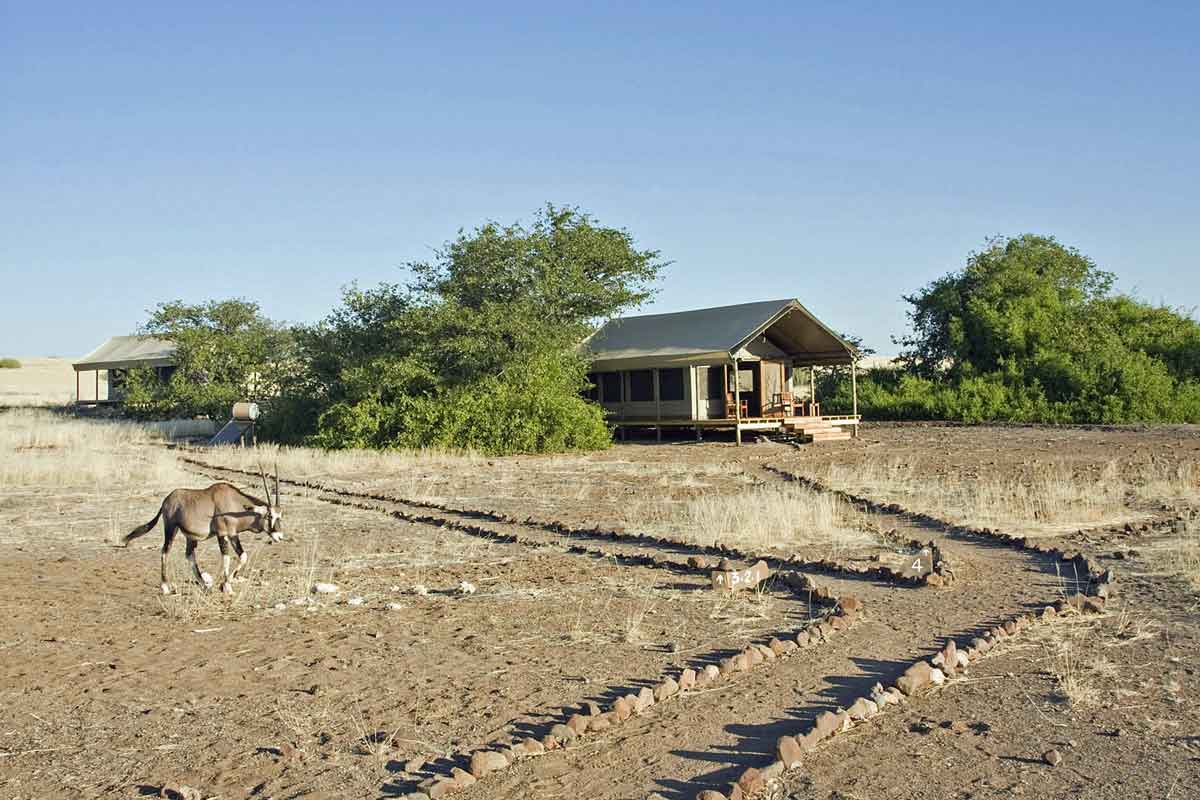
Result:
[
  {"x": 40, "y": 450},
  {"x": 781, "y": 517},
  {"x": 1045, "y": 499}
]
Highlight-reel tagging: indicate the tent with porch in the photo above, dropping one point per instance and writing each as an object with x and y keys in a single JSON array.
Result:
[
  {"x": 116, "y": 357},
  {"x": 743, "y": 367}
]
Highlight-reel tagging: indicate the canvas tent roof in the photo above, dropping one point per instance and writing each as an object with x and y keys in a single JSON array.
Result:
[
  {"x": 126, "y": 352},
  {"x": 717, "y": 334}
]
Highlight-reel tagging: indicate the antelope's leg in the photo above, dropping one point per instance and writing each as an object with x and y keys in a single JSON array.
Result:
[
  {"x": 201, "y": 575},
  {"x": 241, "y": 554},
  {"x": 223, "y": 543},
  {"x": 168, "y": 540}
]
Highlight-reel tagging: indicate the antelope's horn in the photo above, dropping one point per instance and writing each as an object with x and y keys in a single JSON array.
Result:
[{"x": 263, "y": 474}]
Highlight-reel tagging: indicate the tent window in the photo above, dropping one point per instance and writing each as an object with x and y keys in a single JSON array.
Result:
[
  {"x": 670, "y": 384},
  {"x": 610, "y": 387},
  {"x": 641, "y": 385}
]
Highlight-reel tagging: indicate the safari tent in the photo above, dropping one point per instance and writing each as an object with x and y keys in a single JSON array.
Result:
[
  {"x": 743, "y": 367},
  {"x": 115, "y": 358}
]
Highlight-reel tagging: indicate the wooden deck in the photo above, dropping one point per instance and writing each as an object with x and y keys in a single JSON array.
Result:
[{"x": 816, "y": 429}]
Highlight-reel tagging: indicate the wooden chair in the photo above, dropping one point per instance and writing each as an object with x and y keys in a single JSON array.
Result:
[
  {"x": 731, "y": 407},
  {"x": 785, "y": 403}
]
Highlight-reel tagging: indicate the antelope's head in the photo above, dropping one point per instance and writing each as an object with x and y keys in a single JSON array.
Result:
[{"x": 272, "y": 515}]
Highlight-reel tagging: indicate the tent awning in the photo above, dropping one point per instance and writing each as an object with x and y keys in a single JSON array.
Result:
[{"x": 128, "y": 352}]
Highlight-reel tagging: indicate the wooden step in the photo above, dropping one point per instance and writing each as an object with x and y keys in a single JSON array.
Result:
[{"x": 829, "y": 436}]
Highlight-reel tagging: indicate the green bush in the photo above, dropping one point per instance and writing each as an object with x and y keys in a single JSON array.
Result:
[{"x": 9, "y": 363}]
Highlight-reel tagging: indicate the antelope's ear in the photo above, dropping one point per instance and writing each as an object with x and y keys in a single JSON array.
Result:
[{"x": 260, "y": 510}]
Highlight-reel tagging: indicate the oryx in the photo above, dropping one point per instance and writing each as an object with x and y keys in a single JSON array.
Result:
[{"x": 221, "y": 510}]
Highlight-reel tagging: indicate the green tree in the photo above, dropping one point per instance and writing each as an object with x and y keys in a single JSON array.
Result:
[
  {"x": 478, "y": 348},
  {"x": 226, "y": 351},
  {"x": 1028, "y": 330}
]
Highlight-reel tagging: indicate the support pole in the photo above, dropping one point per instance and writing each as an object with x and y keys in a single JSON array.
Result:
[
  {"x": 812, "y": 389},
  {"x": 854, "y": 391},
  {"x": 77, "y": 398},
  {"x": 657, "y": 407},
  {"x": 97, "y": 387},
  {"x": 737, "y": 402}
]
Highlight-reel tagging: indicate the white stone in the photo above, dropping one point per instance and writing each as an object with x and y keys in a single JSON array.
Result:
[
  {"x": 355, "y": 601},
  {"x": 420, "y": 589},
  {"x": 394, "y": 606},
  {"x": 466, "y": 587},
  {"x": 962, "y": 659},
  {"x": 325, "y": 588},
  {"x": 937, "y": 677},
  {"x": 281, "y": 606},
  {"x": 208, "y": 579}
]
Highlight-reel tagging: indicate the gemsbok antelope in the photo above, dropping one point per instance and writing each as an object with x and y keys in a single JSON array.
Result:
[{"x": 221, "y": 510}]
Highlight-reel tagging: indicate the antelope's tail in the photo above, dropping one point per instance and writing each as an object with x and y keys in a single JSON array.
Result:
[{"x": 141, "y": 530}]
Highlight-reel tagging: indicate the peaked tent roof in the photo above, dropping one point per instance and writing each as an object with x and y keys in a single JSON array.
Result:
[
  {"x": 126, "y": 352},
  {"x": 719, "y": 333}
]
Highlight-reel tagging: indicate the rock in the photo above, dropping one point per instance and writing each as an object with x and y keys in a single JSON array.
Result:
[
  {"x": 767, "y": 653},
  {"x": 442, "y": 787},
  {"x": 687, "y": 679},
  {"x": 712, "y": 671},
  {"x": 592, "y": 709},
  {"x": 600, "y": 723},
  {"x": 324, "y": 588},
  {"x": 645, "y": 699},
  {"x": 850, "y": 603},
  {"x": 789, "y": 646},
  {"x": 623, "y": 708},
  {"x": 937, "y": 677},
  {"x": 917, "y": 677},
  {"x": 772, "y": 770},
  {"x": 1052, "y": 757},
  {"x": 789, "y": 751},
  {"x": 180, "y": 792},
  {"x": 550, "y": 742},
  {"x": 394, "y": 606},
  {"x": 462, "y": 777},
  {"x": 709, "y": 794},
  {"x": 355, "y": 601},
  {"x": 466, "y": 587},
  {"x": 776, "y": 647},
  {"x": 829, "y": 723},
  {"x": 414, "y": 796},
  {"x": 862, "y": 708},
  {"x": 564, "y": 734},
  {"x": 752, "y": 782},
  {"x": 532, "y": 747},
  {"x": 485, "y": 761},
  {"x": 802, "y": 639},
  {"x": 728, "y": 665},
  {"x": 753, "y": 654},
  {"x": 742, "y": 662},
  {"x": 963, "y": 659},
  {"x": 578, "y": 723},
  {"x": 668, "y": 688}
]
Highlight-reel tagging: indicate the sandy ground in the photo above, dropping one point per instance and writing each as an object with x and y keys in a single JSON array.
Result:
[
  {"x": 46, "y": 382},
  {"x": 111, "y": 690}
]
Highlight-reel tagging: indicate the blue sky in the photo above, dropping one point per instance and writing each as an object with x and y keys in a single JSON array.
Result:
[{"x": 844, "y": 153}]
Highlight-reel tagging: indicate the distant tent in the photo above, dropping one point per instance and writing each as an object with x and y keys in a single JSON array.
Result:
[{"x": 119, "y": 355}]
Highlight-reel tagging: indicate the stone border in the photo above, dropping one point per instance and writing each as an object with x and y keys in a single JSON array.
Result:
[
  {"x": 921, "y": 676},
  {"x": 940, "y": 575},
  {"x": 590, "y": 718}
]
